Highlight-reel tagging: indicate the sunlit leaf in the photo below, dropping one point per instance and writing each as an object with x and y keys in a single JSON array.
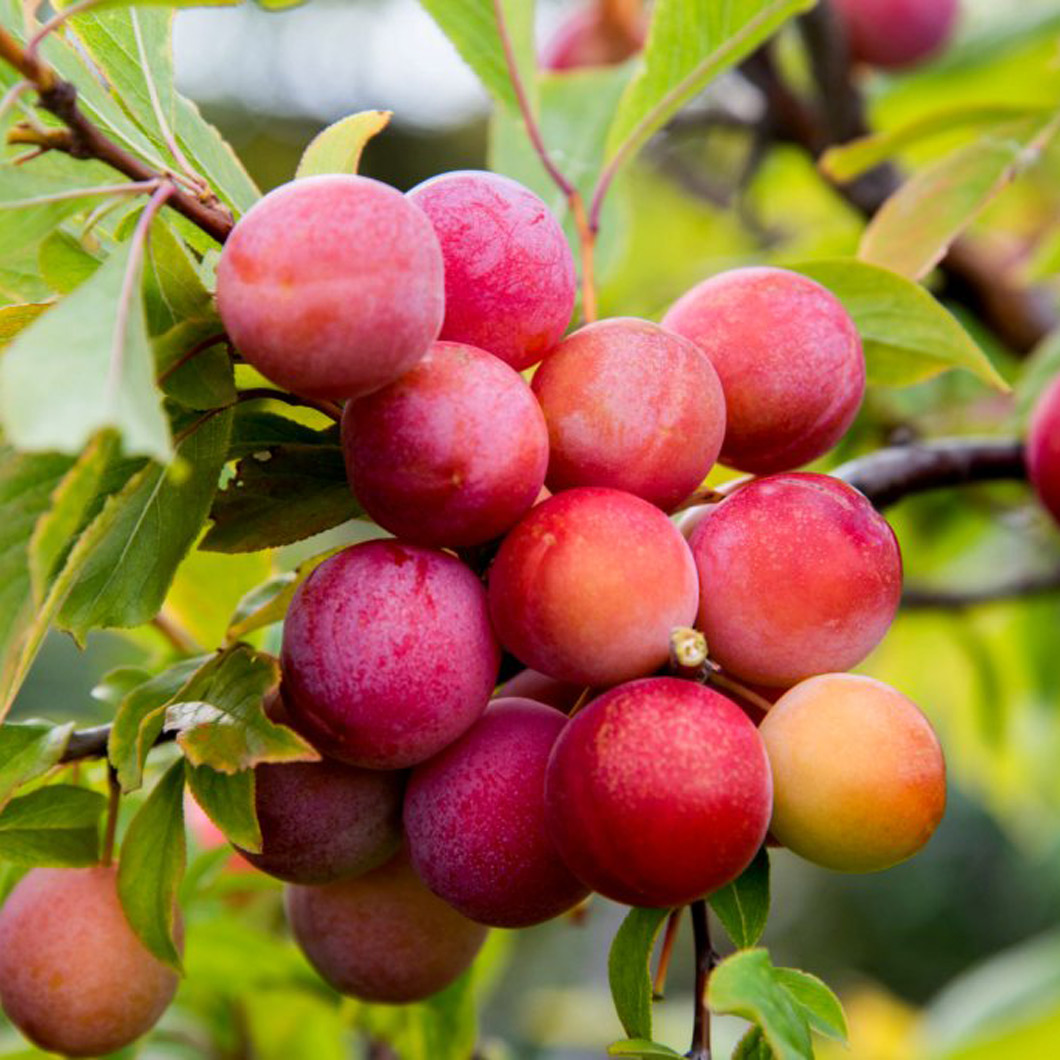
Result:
[{"x": 337, "y": 149}]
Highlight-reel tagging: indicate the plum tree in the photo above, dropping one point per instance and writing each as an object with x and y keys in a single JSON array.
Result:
[
  {"x": 1043, "y": 448},
  {"x": 587, "y": 38},
  {"x": 323, "y": 821},
  {"x": 633, "y": 407},
  {"x": 859, "y": 778},
  {"x": 475, "y": 818},
  {"x": 382, "y": 936},
  {"x": 452, "y": 453},
  {"x": 897, "y": 33},
  {"x": 74, "y": 979},
  {"x": 789, "y": 358},
  {"x": 658, "y": 792},
  {"x": 509, "y": 271},
  {"x": 388, "y": 654},
  {"x": 349, "y": 305},
  {"x": 587, "y": 587},
  {"x": 799, "y": 575}
]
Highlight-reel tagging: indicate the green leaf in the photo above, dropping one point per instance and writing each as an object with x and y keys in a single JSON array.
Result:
[
  {"x": 57, "y": 825},
  {"x": 850, "y": 160},
  {"x": 472, "y": 27},
  {"x": 37, "y": 495},
  {"x": 84, "y": 366},
  {"x": 753, "y": 1046},
  {"x": 220, "y": 717},
  {"x": 280, "y": 495},
  {"x": 908, "y": 336},
  {"x": 690, "y": 43},
  {"x": 228, "y": 800},
  {"x": 128, "y": 556},
  {"x": 337, "y": 149},
  {"x": 173, "y": 291},
  {"x": 628, "y": 969},
  {"x": 914, "y": 228},
  {"x": 152, "y": 864},
  {"x": 207, "y": 380},
  {"x": 140, "y": 718},
  {"x": 1037, "y": 372},
  {"x": 746, "y": 985},
  {"x": 254, "y": 430},
  {"x": 743, "y": 906},
  {"x": 640, "y": 1047},
  {"x": 16, "y": 318},
  {"x": 65, "y": 263},
  {"x": 28, "y": 750},
  {"x": 817, "y": 1001}
]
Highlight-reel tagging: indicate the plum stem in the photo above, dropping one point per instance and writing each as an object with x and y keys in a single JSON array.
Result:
[
  {"x": 705, "y": 961},
  {"x": 659, "y": 983},
  {"x": 265, "y": 393},
  {"x": 575, "y": 203},
  {"x": 113, "y": 808}
]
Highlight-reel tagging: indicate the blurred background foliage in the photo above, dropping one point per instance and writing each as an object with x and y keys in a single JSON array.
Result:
[{"x": 954, "y": 956}]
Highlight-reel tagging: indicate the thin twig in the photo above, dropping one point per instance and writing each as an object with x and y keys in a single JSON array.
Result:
[
  {"x": 176, "y": 634},
  {"x": 200, "y": 347},
  {"x": 705, "y": 960},
  {"x": 12, "y": 96},
  {"x": 575, "y": 203},
  {"x": 113, "y": 809},
  {"x": 264, "y": 393},
  {"x": 49, "y": 27},
  {"x": 92, "y": 743},
  {"x": 665, "y": 953},
  {"x": 130, "y": 188},
  {"x": 719, "y": 679},
  {"x": 137, "y": 246}
]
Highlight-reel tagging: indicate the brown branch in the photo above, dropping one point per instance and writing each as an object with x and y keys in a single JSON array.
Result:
[
  {"x": 926, "y": 598},
  {"x": 265, "y": 393},
  {"x": 92, "y": 743},
  {"x": 974, "y": 274},
  {"x": 888, "y": 475},
  {"x": 82, "y": 139},
  {"x": 706, "y": 958}
]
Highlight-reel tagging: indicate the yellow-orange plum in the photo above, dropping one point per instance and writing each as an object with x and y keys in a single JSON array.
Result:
[
  {"x": 74, "y": 979},
  {"x": 859, "y": 778}
]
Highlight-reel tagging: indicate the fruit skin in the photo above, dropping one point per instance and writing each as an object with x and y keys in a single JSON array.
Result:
[
  {"x": 74, "y": 979},
  {"x": 529, "y": 684},
  {"x": 475, "y": 819},
  {"x": 586, "y": 39},
  {"x": 588, "y": 586},
  {"x": 789, "y": 359},
  {"x": 631, "y": 406},
  {"x": 799, "y": 575},
  {"x": 509, "y": 271},
  {"x": 323, "y": 821},
  {"x": 388, "y": 654},
  {"x": 897, "y": 33},
  {"x": 859, "y": 777},
  {"x": 452, "y": 453},
  {"x": 349, "y": 304},
  {"x": 382, "y": 936},
  {"x": 1043, "y": 448},
  {"x": 658, "y": 792}
]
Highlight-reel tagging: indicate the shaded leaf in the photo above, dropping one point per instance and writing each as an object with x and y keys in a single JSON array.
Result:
[
  {"x": 140, "y": 718},
  {"x": 152, "y": 864},
  {"x": 130, "y": 553},
  {"x": 207, "y": 380},
  {"x": 228, "y": 800},
  {"x": 64, "y": 262},
  {"x": 337, "y": 149},
  {"x": 628, "y": 969},
  {"x": 57, "y": 825},
  {"x": 29, "y": 750},
  {"x": 914, "y": 228},
  {"x": 743, "y": 906},
  {"x": 752, "y": 1046},
  {"x": 640, "y": 1047},
  {"x": 280, "y": 495},
  {"x": 908, "y": 336},
  {"x": 85, "y": 366},
  {"x": 255, "y": 431}
]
